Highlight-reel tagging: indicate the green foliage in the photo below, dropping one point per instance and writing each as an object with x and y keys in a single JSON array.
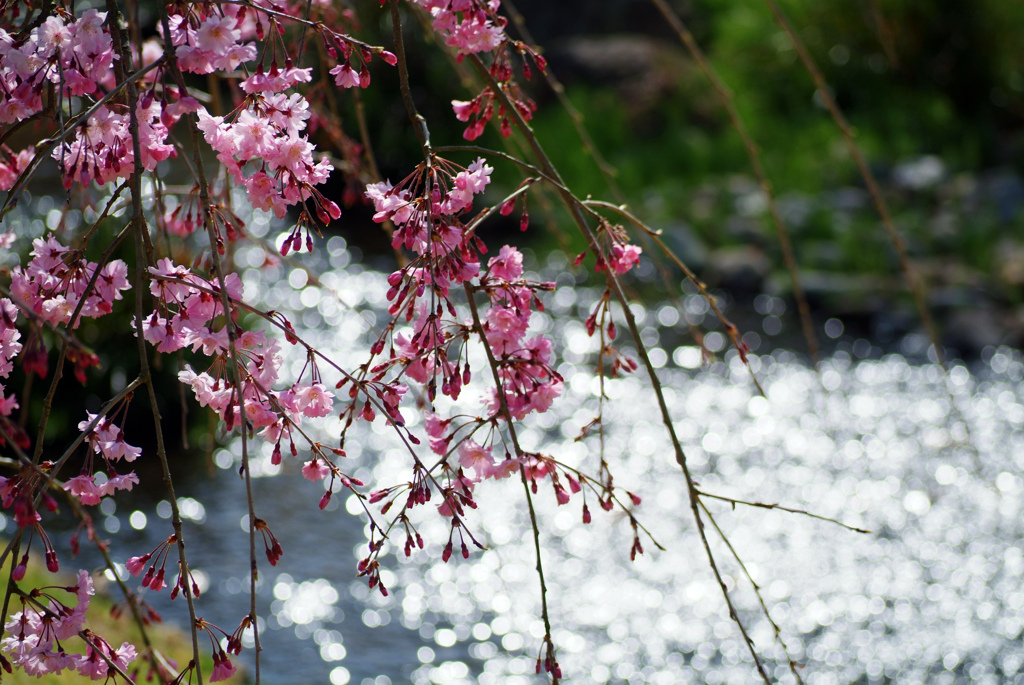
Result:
[
  {"x": 943, "y": 78},
  {"x": 173, "y": 643}
]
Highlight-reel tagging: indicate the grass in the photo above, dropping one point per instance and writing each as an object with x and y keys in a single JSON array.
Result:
[{"x": 170, "y": 641}]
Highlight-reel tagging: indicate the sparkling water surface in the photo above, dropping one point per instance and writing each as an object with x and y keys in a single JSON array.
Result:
[{"x": 930, "y": 464}]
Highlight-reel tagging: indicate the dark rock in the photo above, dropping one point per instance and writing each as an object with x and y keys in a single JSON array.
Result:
[
  {"x": 686, "y": 244},
  {"x": 971, "y": 330},
  {"x": 741, "y": 268},
  {"x": 641, "y": 68}
]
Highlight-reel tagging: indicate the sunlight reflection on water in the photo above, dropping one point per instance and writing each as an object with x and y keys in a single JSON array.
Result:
[{"x": 933, "y": 594}]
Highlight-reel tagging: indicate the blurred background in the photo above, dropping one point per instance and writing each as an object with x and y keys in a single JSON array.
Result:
[
  {"x": 934, "y": 90},
  {"x": 880, "y": 439}
]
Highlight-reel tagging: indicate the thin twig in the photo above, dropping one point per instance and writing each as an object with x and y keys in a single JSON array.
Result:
[
  {"x": 767, "y": 505},
  {"x": 755, "y": 162},
  {"x": 613, "y": 282},
  {"x": 730, "y": 327},
  {"x": 917, "y": 287},
  {"x": 507, "y": 415},
  {"x": 793, "y": 665}
]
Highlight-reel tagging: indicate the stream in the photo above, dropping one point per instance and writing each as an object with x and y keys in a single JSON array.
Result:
[{"x": 880, "y": 440}]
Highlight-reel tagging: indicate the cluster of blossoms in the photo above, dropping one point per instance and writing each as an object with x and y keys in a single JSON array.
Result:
[
  {"x": 264, "y": 145},
  {"x": 268, "y": 134},
  {"x": 9, "y": 349},
  {"x": 447, "y": 255},
  {"x": 107, "y": 440},
  {"x": 57, "y": 279},
  {"x": 469, "y": 26},
  {"x": 426, "y": 209},
  {"x": 76, "y": 56},
  {"x": 12, "y": 165},
  {"x": 34, "y": 637},
  {"x": 207, "y": 42},
  {"x": 529, "y": 383},
  {"x": 103, "y": 150},
  {"x": 188, "y": 307},
  {"x": 56, "y": 282},
  {"x": 616, "y": 253}
]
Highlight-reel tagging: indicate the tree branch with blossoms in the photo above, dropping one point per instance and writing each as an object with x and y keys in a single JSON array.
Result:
[{"x": 108, "y": 112}]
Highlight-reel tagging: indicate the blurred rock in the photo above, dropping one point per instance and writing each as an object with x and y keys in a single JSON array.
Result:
[
  {"x": 1008, "y": 263},
  {"x": 971, "y": 330},
  {"x": 920, "y": 173},
  {"x": 642, "y": 68},
  {"x": 743, "y": 268}
]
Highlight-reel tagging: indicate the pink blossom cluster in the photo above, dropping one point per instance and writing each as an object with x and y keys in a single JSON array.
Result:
[
  {"x": 426, "y": 208},
  {"x": 188, "y": 306},
  {"x": 447, "y": 255},
  {"x": 429, "y": 226},
  {"x": 529, "y": 382},
  {"x": 481, "y": 461},
  {"x": 479, "y": 111},
  {"x": 103, "y": 150},
  {"x": 75, "y": 56},
  {"x": 35, "y": 635},
  {"x": 623, "y": 257},
  {"x": 269, "y": 136},
  {"x": 12, "y": 165},
  {"x": 9, "y": 349},
  {"x": 470, "y": 26},
  {"x": 264, "y": 145},
  {"x": 618, "y": 255},
  {"x": 58, "y": 279},
  {"x": 345, "y": 75},
  {"x": 204, "y": 44},
  {"x": 107, "y": 440}
]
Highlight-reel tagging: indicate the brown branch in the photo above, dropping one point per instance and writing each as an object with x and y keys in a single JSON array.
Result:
[
  {"x": 793, "y": 666},
  {"x": 754, "y": 155},
  {"x": 613, "y": 282},
  {"x": 917, "y": 287},
  {"x": 507, "y": 415}
]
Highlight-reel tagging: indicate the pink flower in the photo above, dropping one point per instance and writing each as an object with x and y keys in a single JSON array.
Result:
[
  {"x": 561, "y": 495},
  {"x": 135, "y": 565},
  {"x": 116, "y": 483},
  {"x": 504, "y": 469},
  {"x": 464, "y": 110},
  {"x": 54, "y": 36},
  {"x": 124, "y": 655},
  {"x": 315, "y": 470},
  {"x": 222, "y": 668},
  {"x": 216, "y": 35},
  {"x": 624, "y": 258},
  {"x": 255, "y": 135},
  {"x": 313, "y": 400},
  {"x": 507, "y": 266},
  {"x": 345, "y": 76},
  {"x": 157, "y": 583},
  {"x": 118, "y": 448},
  {"x": 84, "y": 487},
  {"x": 436, "y": 429},
  {"x": 473, "y": 456},
  {"x": 544, "y": 394}
]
